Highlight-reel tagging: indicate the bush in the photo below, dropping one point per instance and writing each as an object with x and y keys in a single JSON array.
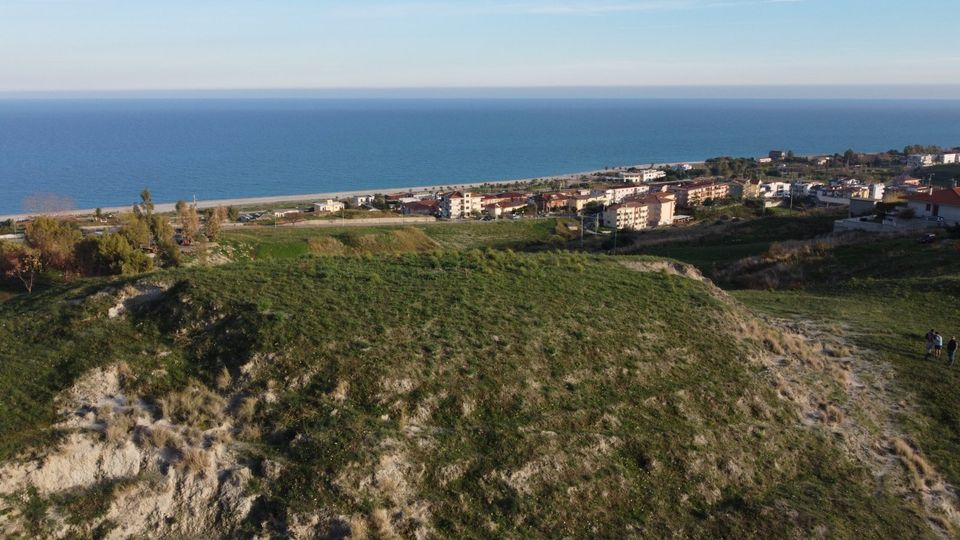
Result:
[
  {"x": 55, "y": 240},
  {"x": 20, "y": 262},
  {"x": 110, "y": 255}
]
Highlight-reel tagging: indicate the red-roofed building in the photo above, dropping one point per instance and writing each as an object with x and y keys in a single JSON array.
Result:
[
  {"x": 507, "y": 197},
  {"x": 553, "y": 202},
  {"x": 426, "y": 207},
  {"x": 943, "y": 203}
]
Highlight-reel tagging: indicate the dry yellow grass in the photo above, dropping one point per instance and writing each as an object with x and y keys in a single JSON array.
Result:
[
  {"x": 118, "y": 427},
  {"x": 196, "y": 406},
  {"x": 921, "y": 472},
  {"x": 246, "y": 408},
  {"x": 223, "y": 379},
  {"x": 157, "y": 436},
  {"x": 192, "y": 460}
]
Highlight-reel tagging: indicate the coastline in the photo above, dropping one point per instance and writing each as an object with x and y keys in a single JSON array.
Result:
[{"x": 311, "y": 197}]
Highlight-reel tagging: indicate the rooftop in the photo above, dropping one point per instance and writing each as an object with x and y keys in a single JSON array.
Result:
[{"x": 949, "y": 197}]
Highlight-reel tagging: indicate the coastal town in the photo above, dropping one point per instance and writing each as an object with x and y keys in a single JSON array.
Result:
[{"x": 888, "y": 192}]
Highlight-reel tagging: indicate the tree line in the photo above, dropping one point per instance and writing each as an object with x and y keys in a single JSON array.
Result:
[{"x": 142, "y": 241}]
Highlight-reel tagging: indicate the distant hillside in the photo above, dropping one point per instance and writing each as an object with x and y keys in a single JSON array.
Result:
[{"x": 441, "y": 394}]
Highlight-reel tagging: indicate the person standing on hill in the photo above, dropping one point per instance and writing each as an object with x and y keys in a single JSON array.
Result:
[
  {"x": 951, "y": 350},
  {"x": 930, "y": 337},
  {"x": 937, "y": 345}
]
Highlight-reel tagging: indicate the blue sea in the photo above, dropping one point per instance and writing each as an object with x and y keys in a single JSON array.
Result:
[{"x": 103, "y": 152}]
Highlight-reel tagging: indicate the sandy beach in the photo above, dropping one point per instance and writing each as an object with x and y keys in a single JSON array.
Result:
[{"x": 247, "y": 202}]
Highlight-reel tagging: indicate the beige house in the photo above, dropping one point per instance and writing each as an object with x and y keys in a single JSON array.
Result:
[
  {"x": 328, "y": 205},
  {"x": 460, "y": 204}
]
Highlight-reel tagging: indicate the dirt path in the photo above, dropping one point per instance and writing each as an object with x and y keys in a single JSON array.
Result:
[
  {"x": 846, "y": 391},
  {"x": 852, "y": 394}
]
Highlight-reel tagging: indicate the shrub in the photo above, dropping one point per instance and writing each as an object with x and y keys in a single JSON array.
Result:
[
  {"x": 55, "y": 241},
  {"x": 110, "y": 255},
  {"x": 191, "y": 460},
  {"x": 195, "y": 406},
  {"x": 21, "y": 263}
]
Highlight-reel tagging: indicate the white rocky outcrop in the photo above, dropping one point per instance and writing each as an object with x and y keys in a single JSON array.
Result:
[{"x": 170, "y": 479}]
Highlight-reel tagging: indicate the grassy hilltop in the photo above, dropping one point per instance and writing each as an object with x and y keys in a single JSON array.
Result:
[{"x": 401, "y": 382}]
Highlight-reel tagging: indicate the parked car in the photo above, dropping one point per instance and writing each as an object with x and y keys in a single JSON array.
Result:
[{"x": 928, "y": 238}]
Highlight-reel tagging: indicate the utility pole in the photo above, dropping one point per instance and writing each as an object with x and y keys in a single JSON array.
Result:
[{"x": 581, "y": 232}]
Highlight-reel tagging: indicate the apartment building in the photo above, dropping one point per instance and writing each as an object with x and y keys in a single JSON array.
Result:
[
  {"x": 646, "y": 175},
  {"x": 653, "y": 210},
  {"x": 460, "y": 204},
  {"x": 630, "y": 215},
  {"x": 690, "y": 195}
]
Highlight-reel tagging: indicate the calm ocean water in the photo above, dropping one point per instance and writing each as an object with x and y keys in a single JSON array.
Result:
[{"x": 103, "y": 152}]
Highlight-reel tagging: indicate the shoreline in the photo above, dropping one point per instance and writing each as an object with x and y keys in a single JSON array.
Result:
[{"x": 311, "y": 197}]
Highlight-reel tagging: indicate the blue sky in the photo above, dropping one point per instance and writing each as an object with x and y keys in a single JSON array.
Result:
[{"x": 92, "y": 45}]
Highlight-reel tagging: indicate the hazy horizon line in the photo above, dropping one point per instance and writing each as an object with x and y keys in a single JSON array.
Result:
[{"x": 786, "y": 91}]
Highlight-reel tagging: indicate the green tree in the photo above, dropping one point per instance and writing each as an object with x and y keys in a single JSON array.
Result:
[
  {"x": 166, "y": 248},
  {"x": 109, "y": 255},
  {"x": 233, "y": 214},
  {"x": 55, "y": 241},
  {"x": 214, "y": 223},
  {"x": 146, "y": 202},
  {"x": 135, "y": 230},
  {"x": 849, "y": 157},
  {"x": 20, "y": 262},
  {"x": 189, "y": 221}
]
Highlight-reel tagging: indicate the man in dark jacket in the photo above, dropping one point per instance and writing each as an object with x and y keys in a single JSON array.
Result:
[
  {"x": 951, "y": 350},
  {"x": 930, "y": 337}
]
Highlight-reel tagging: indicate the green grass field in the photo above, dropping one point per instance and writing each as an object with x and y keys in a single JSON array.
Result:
[
  {"x": 524, "y": 389},
  {"x": 716, "y": 248},
  {"x": 889, "y": 293},
  {"x": 290, "y": 242},
  {"x": 493, "y": 392}
]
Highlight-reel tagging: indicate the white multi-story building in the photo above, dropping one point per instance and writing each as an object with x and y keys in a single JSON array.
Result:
[
  {"x": 921, "y": 160},
  {"x": 948, "y": 158},
  {"x": 328, "y": 205},
  {"x": 460, "y": 204},
  {"x": 802, "y": 189},
  {"x": 646, "y": 175},
  {"x": 360, "y": 200},
  {"x": 617, "y": 193},
  {"x": 775, "y": 190}
]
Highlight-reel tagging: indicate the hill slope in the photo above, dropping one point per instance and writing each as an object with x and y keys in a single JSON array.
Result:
[{"x": 433, "y": 395}]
